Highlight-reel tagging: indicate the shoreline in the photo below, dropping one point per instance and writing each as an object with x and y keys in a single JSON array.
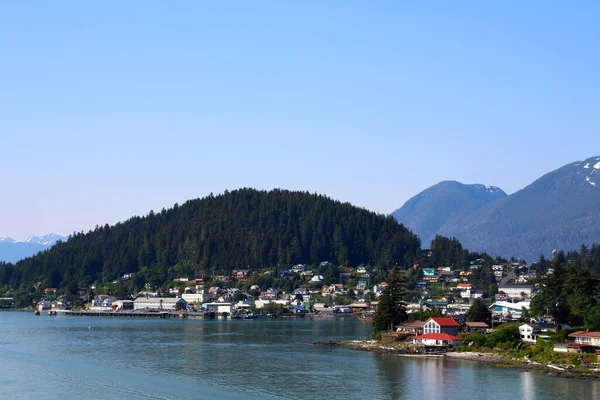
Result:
[{"x": 492, "y": 359}]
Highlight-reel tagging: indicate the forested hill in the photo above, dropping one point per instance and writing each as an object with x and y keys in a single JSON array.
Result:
[{"x": 238, "y": 229}]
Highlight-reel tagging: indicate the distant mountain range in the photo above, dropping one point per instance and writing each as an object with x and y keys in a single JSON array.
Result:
[
  {"x": 560, "y": 210},
  {"x": 12, "y": 250}
]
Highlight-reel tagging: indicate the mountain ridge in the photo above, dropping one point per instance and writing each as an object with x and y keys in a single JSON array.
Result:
[
  {"x": 12, "y": 250},
  {"x": 559, "y": 210}
]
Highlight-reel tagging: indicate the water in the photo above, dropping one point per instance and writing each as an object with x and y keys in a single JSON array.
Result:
[{"x": 111, "y": 358}]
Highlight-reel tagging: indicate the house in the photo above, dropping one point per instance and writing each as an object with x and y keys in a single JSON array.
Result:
[
  {"x": 44, "y": 305},
  {"x": 241, "y": 275},
  {"x": 441, "y": 325},
  {"x": 298, "y": 268},
  {"x": 477, "y": 294},
  {"x": 50, "y": 290},
  {"x": 465, "y": 290},
  {"x": 530, "y": 332},
  {"x": 160, "y": 304},
  {"x": 181, "y": 279},
  {"x": 215, "y": 290},
  {"x": 584, "y": 342},
  {"x": 102, "y": 303},
  {"x": 317, "y": 278},
  {"x": 475, "y": 327},
  {"x": 413, "y": 327},
  {"x": 267, "y": 296},
  {"x": 516, "y": 291},
  {"x": 63, "y": 304},
  {"x": 361, "y": 270},
  {"x": 438, "y": 340},
  {"x": 378, "y": 289}
]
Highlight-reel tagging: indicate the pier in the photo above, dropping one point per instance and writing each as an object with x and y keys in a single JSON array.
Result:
[{"x": 138, "y": 314}]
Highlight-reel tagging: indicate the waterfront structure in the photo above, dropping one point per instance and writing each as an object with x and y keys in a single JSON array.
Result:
[
  {"x": 102, "y": 302},
  {"x": 123, "y": 304},
  {"x": 160, "y": 304},
  {"x": 438, "y": 340},
  {"x": 201, "y": 296},
  {"x": 531, "y": 332},
  {"x": 584, "y": 342},
  {"x": 414, "y": 327}
]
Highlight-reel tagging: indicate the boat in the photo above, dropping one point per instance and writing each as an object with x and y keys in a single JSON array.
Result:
[
  {"x": 250, "y": 316},
  {"x": 37, "y": 312}
]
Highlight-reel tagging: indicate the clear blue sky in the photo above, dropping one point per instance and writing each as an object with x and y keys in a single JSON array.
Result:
[{"x": 114, "y": 108}]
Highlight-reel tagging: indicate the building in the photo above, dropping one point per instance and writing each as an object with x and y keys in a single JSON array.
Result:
[
  {"x": 516, "y": 291},
  {"x": 159, "y": 304},
  {"x": 123, "y": 304},
  {"x": 509, "y": 310},
  {"x": 531, "y": 332},
  {"x": 220, "y": 308},
  {"x": 475, "y": 327},
  {"x": 413, "y": 327},
  {"x": 465, "y": 290},
  {"x": 102, "y": 303},
  {"x": 199, "y": 297},
  {"x": 441, "y": 325},
  {"x": 438, "y": 340},
  {"x": 584, "y": 342}
]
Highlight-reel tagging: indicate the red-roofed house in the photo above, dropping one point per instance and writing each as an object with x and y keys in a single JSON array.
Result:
[
  {"x": 441, "y": 325},
  {"x": 438, "y": 339},
  {"x": 584, "y": 342}
]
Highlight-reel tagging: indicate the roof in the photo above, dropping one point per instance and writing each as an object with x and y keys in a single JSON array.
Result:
[
  {"x": 444, "y": 321},
  {"x": 515, "y": 287},
  {"x": 439, "y": 336},
  {"x": 587, "y": 334},
  {"x": 413, "y": 324},
  {"x": 157, "y": 300},
  {"x": 477, "y": 325}
]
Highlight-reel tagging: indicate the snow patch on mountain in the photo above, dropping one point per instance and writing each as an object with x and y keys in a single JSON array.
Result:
[
  {"x": 597, "y": 166},
  {"x": 587, "y": 178},
  {"x": 586, "y": 166}
]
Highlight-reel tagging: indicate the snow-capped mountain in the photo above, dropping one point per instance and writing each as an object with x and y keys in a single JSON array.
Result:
[
  {"x": 12, "y": 250},
  {"x": 46, "y": 240},
  {"x": 560, "y": 210},
  {"x": 589, "y": 170}
]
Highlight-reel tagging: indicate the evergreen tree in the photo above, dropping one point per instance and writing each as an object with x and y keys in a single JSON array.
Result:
[
  {"x": 478, "y": 312},
  {"x": 391, "y": 309}
]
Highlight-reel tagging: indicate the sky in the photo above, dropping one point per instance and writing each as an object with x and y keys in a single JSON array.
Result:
[{"x": 110, "y": 109}]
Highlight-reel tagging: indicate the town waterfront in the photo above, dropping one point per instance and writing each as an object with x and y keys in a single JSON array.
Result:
[{"x": 106, "y": 358}]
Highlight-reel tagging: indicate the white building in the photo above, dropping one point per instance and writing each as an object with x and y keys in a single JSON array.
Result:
[
  {"x": 508, "y": 309},
  {"x": 200, "y": 297},
  {"x": 516, "y": 291},
  {"x": 102, "y": 303},
  {"x": 159, "y": 304}
]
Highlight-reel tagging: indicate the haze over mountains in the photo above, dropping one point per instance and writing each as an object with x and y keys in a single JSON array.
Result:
[
  {"x": 560, "y": 210},
  {"x": 12, "y": 250}
]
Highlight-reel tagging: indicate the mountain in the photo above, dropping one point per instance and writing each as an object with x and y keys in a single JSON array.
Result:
[
  {"x": 13, "y": 251},
  {"x": 560, "y": 210},
  {"x": 439, "y": 207},
  {"x": 244, "y": 228}
]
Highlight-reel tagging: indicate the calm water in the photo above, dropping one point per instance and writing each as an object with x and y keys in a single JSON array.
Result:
[{"x": 104, "y": 358}]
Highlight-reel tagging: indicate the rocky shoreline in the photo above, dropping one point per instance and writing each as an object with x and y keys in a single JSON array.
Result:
[{"x": 495, "y": 359}]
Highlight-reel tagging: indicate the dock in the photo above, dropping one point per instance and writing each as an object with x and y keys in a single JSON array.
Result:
[{"x": 138, "y": 314}]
